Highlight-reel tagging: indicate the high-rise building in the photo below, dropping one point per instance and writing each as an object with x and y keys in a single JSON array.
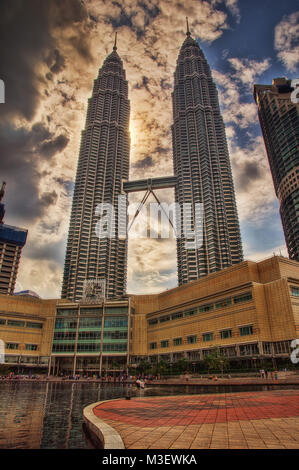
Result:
[
  {"x": 103, "y": 164},
  {"x": 202, "y": 167},
  {"x": 12, "y": 240},
  {"x": 279, "y": 119}
]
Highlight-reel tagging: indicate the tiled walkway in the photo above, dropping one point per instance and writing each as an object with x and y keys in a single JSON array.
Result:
[{"x": 265, "y": 420}]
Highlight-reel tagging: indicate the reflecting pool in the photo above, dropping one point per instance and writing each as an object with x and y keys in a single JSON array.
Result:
[{"x": 49, "y": 415}]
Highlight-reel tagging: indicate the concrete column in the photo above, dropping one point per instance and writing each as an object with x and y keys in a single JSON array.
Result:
[
  {"x": 129, "y": 336},
  {"x": 261, "y": 350},
  {"x": 49, "y": 366},
  {"x": 76, "y": 340},
  {"x": 74, "y": 364},
  {"x": 102, "y": 336}
]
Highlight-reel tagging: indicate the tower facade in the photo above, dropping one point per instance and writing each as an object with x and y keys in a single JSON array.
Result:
[
  {"x": 279, "y": 119},
  {"x": 103, "y": 163},
  {"x": 202, "y": 167},
  {"x": 12, "y": 241}
]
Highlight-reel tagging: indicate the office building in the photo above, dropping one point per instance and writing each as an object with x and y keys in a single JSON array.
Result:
[
  {"x": 279, "y": 120},
  {"x": 103, "y": 164},
  {"x": 91, "y": 338},
  {"x": 202, "y": 167},
  {"x": 248, "y": 312},
  {"x": 26, "y": 329},
  {"x": 12, "y": 240}
]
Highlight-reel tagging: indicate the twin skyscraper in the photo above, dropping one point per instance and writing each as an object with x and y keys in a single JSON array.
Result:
[{"x": 202, "y": 175}]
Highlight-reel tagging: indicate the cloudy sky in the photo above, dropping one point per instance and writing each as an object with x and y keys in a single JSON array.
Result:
[{"x": 50, "y": 55}]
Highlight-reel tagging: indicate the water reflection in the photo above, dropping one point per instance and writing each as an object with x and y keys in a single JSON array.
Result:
[
  {"x": 62, "y": 424},
  {"x": 49, "y": 415},
  {"x": 21, "y": 415}
]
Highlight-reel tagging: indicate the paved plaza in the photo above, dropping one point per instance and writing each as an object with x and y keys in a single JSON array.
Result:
[{"x": 248, "y": 420}]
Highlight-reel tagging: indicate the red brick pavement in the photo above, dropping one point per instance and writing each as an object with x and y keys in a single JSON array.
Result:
[{"x": 272, "y": 419}]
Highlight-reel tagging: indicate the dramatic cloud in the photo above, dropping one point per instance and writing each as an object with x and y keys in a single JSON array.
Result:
[
  {"x": 246, "y": 70},
  {"x": 253, "y": 180},
  {"x": 48, "y": 251},
  {"x": 50, "y": 55},
  {"x": 232, "y": 6},
  {"x": 154, "y": 268},
  {"x": 236, "y": 87},
  {"x": 234, "y": 109},
  {"x": 22, "y": 151},
  {"x": 50, "y": 147},
  {"x": 146, "y": 162},
  {"x": 27, "y": 30},
  {"x": 286, "y": 41},
  {"x": 41, "y": 276}
]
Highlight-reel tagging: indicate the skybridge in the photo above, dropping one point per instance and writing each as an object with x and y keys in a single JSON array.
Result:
[{"x": 149, "y": 184}]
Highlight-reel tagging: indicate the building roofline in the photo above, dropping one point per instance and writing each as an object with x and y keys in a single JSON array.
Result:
[{"x": 219, "y": 273}]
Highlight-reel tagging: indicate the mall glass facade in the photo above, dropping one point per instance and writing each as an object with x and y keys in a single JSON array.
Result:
[{"x": 90, "y": 339}]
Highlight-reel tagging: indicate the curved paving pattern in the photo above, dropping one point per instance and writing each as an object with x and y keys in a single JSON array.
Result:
[{"x": 236, "y": 420}]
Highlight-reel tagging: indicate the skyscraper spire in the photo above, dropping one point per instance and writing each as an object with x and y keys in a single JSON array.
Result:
[
  {"x": 103, "y": 164},
  {"x": 188, "y": 30},
  {"x": 115, "y": 39},
  {"x": 202, "y": 167}
]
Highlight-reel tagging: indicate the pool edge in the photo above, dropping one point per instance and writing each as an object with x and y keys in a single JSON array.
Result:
[{"x": 108, "y": 436}]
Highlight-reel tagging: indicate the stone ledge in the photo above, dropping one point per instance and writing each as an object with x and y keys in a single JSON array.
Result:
[{"x": 109, "y": 438}]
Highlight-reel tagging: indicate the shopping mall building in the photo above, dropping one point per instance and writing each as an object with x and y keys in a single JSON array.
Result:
[{"x": 249, "y": 311}]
